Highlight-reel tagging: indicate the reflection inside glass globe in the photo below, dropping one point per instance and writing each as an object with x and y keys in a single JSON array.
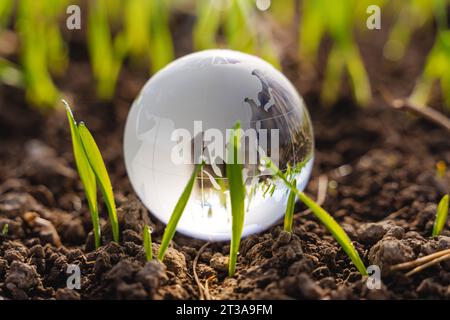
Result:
[{"x": 184, "y": 115}]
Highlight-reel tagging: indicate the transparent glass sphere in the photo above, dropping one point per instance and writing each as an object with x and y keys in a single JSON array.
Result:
[{"x": 183, "y": 116}]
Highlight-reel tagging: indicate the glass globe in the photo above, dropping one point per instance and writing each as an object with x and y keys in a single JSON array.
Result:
[{"x": 183, "y": 116}]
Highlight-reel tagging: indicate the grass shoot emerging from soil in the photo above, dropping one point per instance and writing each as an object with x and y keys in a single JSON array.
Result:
[
  {"x": 5, "y": 229},
  {"x": 147, "y": 239},
  {"x": 98, "y": 166},
  {"x": 441, "y": 216},
  {"x": 177, "y": 212},
  {"x": 86, "y": 173},
  {"x": 91, "y": 169},
  {"x": 237, "y": 195},
  {"x": 329, "y": 222},
  {"x": 289, "y": 216}
]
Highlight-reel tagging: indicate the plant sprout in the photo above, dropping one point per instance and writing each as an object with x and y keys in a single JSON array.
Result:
[
  {"x": 92, "y": 170},
  {"x": 6, "y": 8},
  {"x": 161, "y": 46},
  {"x": 140, "y": 29},
  {"x": 337, "y": 20},
  {"x": 147, "y": 239},
  {"x": 86, "y": 174},
  {"x": 42, "y": 49},
  {"x": 137, "y": 29},
  {"x": 441, "y": 216},
  {"x": 412, "y": 15},
  {"x": 5, "y": 229},
  {"x": 289, "y": 216},
  {"x": 98, "y": 166},
  {"x": 171, "y": 226},
  {"x": 106, "y": 53},
  {"x": 283, "y": 11},
  {"x": 146, "y": 30},
  {"x": 207, "y": 25},
  {"x": 237, "y": 18},
  {"x": 11, "y": 74},
  {"x": 237, "y": 195},
  {"x": 437, "y": 65},
  {"x": 329, "y": 222},
  {"x": 290, "y": 206}
]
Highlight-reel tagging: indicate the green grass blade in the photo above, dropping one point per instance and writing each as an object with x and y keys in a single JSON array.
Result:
[
  {"x": 147, "y": 238},
  {"x": 86, "y": 173},
  {"x": 177, "y": 212},
  {"x": 98, "y": 166},
  {"x": 11, "y": 74},
  {"x": 237, "y": 195},
  {"x": 136, "y": 18},
  {"x": 289, "y": 216},
  {"x": 441, "y": 216},
  {"x": 5, "y": 229},
  {"x": 6, "y": 8},
  {"x": 329, "y": 222},
  {"x": 161, "y": 45},
  {"x": 358, "y": 76},
  {"x": 207, "y": 25},
  {"x": 35, "y": 38},
  {"x": 105, "y": 50}
]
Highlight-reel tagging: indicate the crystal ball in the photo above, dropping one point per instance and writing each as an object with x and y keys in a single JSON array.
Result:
[{"x": 183, "y": 116}]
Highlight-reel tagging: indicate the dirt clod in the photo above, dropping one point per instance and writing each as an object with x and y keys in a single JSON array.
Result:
[
  {"x": 390, "y": 251},
  {"x": 20, "y": 279},
  {"x": 152, "y": 275},
  {"x": 67, "y": 294},
  {"x": 219, "y": 262}
]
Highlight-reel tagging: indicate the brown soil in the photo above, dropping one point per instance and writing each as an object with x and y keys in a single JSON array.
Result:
[{"x": 383, "y": 189}]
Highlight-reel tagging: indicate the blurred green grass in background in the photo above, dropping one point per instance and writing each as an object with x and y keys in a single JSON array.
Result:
[{"x": 140, "y": 33}]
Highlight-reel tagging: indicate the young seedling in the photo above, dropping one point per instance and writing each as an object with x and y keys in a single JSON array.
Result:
[
  {"x": 207, "y": 25},
  {"x": 289, "y": 216},
  {"x": 105, "y": 50},
  {"x": 11, "y": 74},
  {"x": 42, "y": 49},
  {"x": 237, "y": 20},
  {"x": 98, "y": 166},
  {"x": 437, "y": 64},
  {"x": 336, "y": 21},
  {"x": 91, "y": 169},
  {"x": 161, "y": 46},
  {"x": 5, "y": 229},
  {"x": 6, "y": 10},
  {"x": 169, "y": 232},
  {"x": 329, "y": 222},
  {"x": 86, "y": 173},
  {"x": 147, "y": 239},
  {"x": 441, "y": 216},
  {"x": 237, "y": 195}
]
